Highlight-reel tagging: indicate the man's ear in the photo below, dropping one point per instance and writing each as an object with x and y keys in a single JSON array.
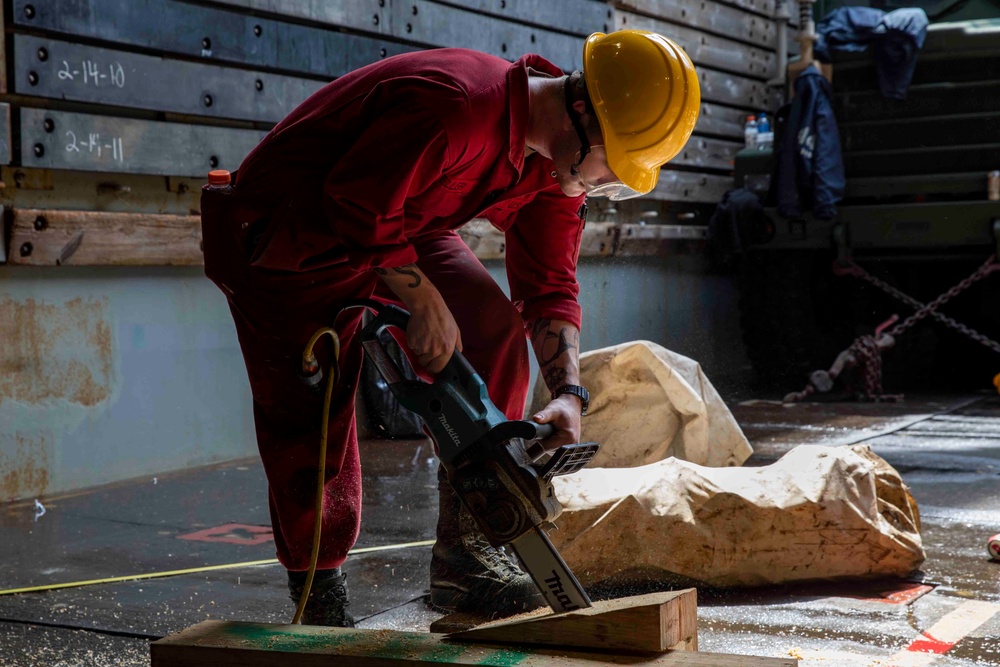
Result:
[{"x": 589, "y": 121}]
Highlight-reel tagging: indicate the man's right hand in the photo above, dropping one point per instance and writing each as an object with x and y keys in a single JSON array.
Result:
[{"x": 432, "y": 333}]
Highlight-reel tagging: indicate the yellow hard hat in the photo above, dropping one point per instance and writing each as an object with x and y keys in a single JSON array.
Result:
[{"x": 645, "y": 92}]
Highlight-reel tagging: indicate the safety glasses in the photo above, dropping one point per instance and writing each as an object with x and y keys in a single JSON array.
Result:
[{"x": 607, "y": 185}]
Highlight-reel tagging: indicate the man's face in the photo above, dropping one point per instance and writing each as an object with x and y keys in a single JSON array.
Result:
[{"x": 591, "y": 173}]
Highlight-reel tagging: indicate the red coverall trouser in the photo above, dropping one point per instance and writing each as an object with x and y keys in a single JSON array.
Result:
[{"x": 276, "y": 313}]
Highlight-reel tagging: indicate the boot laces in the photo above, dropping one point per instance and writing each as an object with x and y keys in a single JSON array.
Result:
[{"x": 496, "y": 560}]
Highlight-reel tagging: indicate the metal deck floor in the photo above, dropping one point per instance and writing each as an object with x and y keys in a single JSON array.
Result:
[{"x": 947, "y": 450}]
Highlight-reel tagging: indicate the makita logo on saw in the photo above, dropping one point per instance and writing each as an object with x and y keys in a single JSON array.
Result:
[
  {"x": 449, "y": 430},
  {"x": 555, "y": 584}
]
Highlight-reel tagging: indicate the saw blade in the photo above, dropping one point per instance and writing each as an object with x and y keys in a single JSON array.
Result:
[{"x": 549, "y": 571}]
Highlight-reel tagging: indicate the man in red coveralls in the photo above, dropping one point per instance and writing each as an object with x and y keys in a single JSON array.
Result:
[{"x": 359, "y": 192}]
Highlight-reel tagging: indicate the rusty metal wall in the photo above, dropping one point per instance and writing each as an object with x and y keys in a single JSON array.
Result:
[{"x": 111, "y": 374}]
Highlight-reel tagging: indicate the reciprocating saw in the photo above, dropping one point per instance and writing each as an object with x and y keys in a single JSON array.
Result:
[{"x": 485, "y": 457}]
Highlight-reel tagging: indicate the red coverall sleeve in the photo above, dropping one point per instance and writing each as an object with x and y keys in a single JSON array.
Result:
[
  {"x": 543, "y": 245},
  {"x": 400, "y": 152}
]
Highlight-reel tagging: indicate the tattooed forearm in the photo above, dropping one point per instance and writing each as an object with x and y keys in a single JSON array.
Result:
[
  {"x": 567, "y": 340},
  {"x": 555, "y": 377},
  {"x": 410, "y": 270},
  {"x": 406, "y": 270},
  {"x": 539, "y": 326},
  {"x": 556, "y": 344}
]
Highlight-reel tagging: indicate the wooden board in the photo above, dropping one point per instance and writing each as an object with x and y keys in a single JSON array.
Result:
[
  {"x": 230, "y": 644},
  {"x": 646, "y": 623},
  {"x": 96, "y": 238},
  {"x": 41, "y": 237}
]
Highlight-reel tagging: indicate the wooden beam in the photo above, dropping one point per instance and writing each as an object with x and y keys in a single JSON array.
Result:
[
  {"x": 646, "y": 623},
  {"x": 48, "y": 237},
  {"x": 488, "y": 242},
  {"x": 96, "y": 238},
  {"x": 230, "y": 644}
]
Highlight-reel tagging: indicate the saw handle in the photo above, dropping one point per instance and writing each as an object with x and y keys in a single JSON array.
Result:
[
  {"x": 543, "y": 431},
  {"x": 388, "y": 315}
]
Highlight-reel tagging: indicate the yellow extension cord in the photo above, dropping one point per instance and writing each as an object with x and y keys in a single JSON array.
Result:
[
  {"x": 195, "y": 570},
  {"x": 309, "y": 364}
]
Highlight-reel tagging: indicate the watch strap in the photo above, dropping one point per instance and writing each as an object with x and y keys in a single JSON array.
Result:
[{"x": 578, "y": 391}]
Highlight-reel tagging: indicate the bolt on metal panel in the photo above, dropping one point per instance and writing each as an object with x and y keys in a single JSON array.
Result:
[
  {"x": 64, "y": 70},
  {"x": 707, "y": 50},
  {"x": 212, "y": 34},
  {"x": 721, "y": 121},
  {"x": 437, "y": 25},
  {"x": 690, "y": 186},
  {"x": 708, "y": 153},
  {"x": 712, "y": 16},
  {"x": 762, "y": 7},
  {"x": 580, "y": 17},
  {"x": 368, "y": 15},
  {"x": 737, "y": 91},
  {"x": 62, "y": 140}
]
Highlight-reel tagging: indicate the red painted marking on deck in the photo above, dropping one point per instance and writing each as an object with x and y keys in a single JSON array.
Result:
[
  {"x": 930, "y": 645},
  {"x": 944, "y": 635},
  {"x": 232, "y": 533},
  {"x": 902, "y": 595}
]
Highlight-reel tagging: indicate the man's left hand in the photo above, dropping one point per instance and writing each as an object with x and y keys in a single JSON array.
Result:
[{"x": 563, "y": 413}]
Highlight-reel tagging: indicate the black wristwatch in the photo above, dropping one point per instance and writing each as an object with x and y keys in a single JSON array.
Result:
[{"x": 576, "y": 390}]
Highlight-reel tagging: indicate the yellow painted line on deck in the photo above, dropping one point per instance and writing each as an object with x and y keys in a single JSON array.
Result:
[{"x": 197, "y": 570}]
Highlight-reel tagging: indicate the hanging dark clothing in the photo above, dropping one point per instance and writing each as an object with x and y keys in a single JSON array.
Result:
[
  {"x": 810, "y": 168},
  {"x": 896, "y": 38}
]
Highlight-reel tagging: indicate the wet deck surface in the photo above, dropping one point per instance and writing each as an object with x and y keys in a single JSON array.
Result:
[{"x": 947, "y": 450}]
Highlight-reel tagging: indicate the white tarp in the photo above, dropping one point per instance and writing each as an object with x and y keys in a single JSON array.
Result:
[
  {"x": 664, "y": 497},
  {"x": 817, "y": 513},
  {"x": 648, "y": 403}
]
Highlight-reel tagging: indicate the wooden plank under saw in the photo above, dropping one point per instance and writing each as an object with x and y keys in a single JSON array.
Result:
[
  {"x": 649, "y": 620},
  {"x": 655, "y": 623},
  {"x": 230, "y": 644}
]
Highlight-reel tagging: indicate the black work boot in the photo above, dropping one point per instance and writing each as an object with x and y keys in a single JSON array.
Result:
[
  {"x": 328, "y": 601},
  {"x": 470, "y": 575}
]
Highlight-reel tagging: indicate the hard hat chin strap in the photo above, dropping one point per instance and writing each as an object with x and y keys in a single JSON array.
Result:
[{"x": 581, "y": 132}]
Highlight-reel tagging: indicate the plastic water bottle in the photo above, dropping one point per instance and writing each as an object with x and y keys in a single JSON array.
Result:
[
  {"x": 219, "y": 180},
  {"x": 750, "y": 132},
  {"x": 765, "y": 137}
]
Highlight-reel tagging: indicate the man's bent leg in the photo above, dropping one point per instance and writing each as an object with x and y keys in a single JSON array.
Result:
[{"x": 492, "y": 329}]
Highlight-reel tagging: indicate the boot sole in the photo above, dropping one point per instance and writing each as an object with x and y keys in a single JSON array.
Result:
[{"x": 450, "y": 601}]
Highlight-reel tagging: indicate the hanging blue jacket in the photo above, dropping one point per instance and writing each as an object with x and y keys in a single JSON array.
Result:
[
  {"x": 895, "y": 37},
  {"x": 810, "y": 168}
]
